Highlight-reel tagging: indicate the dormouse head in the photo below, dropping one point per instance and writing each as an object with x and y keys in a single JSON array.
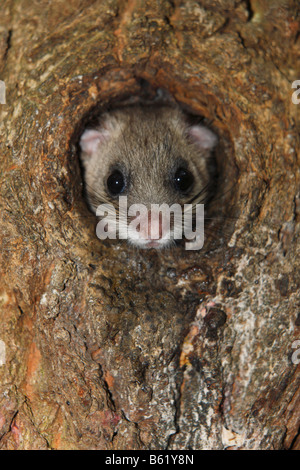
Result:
[{"x": 151, "y": 156}]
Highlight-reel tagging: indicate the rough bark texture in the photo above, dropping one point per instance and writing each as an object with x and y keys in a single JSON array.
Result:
[{"x": 113, "y": 348}]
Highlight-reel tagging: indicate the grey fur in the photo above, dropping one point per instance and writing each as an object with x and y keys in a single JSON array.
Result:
[{"x": 147, "y": 143}]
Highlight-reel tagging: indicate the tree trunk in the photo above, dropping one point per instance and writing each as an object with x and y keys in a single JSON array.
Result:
[{"x": 107, "y": 347}]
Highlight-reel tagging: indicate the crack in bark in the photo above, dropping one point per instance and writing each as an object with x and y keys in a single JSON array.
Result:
[
  {"x": 7, "y": 48},
  {"x": 9, "y": 427},
  {"x": 31, "y": 419},
  {"x": 177, "y": 406},
  {"x": 136, "y": 425},
  {"x": 249, "y": 9},
  {"x": 294, "y": 440}
]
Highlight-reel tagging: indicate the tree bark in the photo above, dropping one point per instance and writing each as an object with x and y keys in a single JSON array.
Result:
[{"x": 107, "y": 347}]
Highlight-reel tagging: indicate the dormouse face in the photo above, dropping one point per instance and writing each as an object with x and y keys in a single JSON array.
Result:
[{"x": 151, "y": 156}]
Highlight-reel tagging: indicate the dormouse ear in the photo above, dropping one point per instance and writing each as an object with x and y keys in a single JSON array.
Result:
[
  {"x": 91, "y": 138},
  {"x": 203, "y": 137}
]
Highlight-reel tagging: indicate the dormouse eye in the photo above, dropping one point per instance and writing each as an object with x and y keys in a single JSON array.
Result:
[
  {"x": 183, "y": 180},
  {"x": 116, "y": 183}
]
